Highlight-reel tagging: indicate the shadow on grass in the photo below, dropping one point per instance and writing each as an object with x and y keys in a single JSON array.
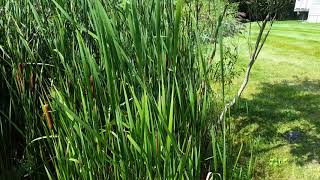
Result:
[{"x": 279, "y": 108}]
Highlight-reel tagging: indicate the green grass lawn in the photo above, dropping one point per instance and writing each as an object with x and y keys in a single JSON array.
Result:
[{"x": 283, "y": 95}]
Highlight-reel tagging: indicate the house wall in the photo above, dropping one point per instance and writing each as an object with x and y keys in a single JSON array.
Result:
[
  {"x": 314, "y": 12},
  {"x": 302, "y": 5}
]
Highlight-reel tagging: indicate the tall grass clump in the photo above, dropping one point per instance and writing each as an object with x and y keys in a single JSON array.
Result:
[{"x": 100, "y": 89}]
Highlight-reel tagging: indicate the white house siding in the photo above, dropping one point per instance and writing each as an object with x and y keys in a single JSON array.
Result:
[
  {"x": 302, "y": 5},
  {"x": 314, "y": 11}
]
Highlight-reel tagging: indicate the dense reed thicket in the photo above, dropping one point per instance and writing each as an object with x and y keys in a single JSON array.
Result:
[{"x": 111, "y": 90}]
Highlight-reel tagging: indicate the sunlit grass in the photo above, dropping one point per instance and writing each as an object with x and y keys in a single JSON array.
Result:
[{"x": 284, "y": 95}]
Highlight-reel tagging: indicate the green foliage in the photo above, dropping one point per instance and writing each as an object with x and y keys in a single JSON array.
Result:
[
  {"x": 231, "y": 68},
  {"x": 258, "y": 9},
  {"x": 111, "y": 89}
]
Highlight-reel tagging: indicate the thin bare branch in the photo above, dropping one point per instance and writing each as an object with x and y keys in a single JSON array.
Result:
[
  {"x": 266, "y": 36},
  {"x": 259, "y": 44}
]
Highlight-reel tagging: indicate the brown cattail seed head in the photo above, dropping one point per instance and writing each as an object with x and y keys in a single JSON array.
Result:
[
  {"x": 47, "y": 113},
  {"x": 19, "y": 78},
  {"x": 92, "y": 84},
  {"x": 20, "y": 68},
  {"x": 32, "y": 83}
]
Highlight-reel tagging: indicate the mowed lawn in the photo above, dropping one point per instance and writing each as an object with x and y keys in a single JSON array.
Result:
[{"x": 283, "y": 96}]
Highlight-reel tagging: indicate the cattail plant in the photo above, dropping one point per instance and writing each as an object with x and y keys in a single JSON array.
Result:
[
  {"x": 32, "y": 83},
  {"x": 20, "y": 78},
  {"x": 47, "y": 113},
  {"x": 145, "y": 65},
  {"x": 92, "y": 85}
]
